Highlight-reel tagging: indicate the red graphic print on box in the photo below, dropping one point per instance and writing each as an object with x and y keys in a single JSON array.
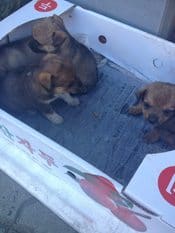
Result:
[
  {"x": 166, "y": 183},
  {"x": 45, "y": 5},
  {"x": 48, "y": 158},
  {"x": 26, "y": 144},
  {"x": 104, "y": 192}
]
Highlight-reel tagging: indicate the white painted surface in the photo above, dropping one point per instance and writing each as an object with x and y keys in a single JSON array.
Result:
[
  {"x": 145, "y": 55},
  {"x": 144, "y": 185},
  {"x": 28, "y": 13},
  {"x": 50, "y": 183}
]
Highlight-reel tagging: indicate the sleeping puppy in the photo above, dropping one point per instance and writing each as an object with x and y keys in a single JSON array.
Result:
[
  {"x": 67, "y": 47},
  {"x": 26, "y": 51},
  {"x": 35, "y": 90},
  {"x": 156, "y": 102}
]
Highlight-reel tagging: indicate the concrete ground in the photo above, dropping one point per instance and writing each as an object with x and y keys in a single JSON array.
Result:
[{"x": 22, "y": 213}]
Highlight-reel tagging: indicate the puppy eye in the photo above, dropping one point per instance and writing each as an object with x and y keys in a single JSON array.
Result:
[
  {"x": 146, "y": 105},
  {"x": 167, "y": 112}
]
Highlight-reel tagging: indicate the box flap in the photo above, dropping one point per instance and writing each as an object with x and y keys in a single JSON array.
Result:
[
  {"x": 31, "y": 11},
  {"x": 153, "y": 185}
]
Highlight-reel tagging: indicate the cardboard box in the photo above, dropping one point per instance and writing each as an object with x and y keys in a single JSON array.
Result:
[
  {"x": 157, "y": 192},
  {"x": 83, "y": 196}
]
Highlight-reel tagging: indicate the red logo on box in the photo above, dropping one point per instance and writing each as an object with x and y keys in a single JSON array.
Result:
[
  {"x": 45, "y": 5},
  {"x": 166, "y": 183}
]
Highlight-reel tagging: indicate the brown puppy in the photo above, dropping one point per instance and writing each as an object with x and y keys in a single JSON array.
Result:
[
  {"x": 64, "y": 72},
  {"x": 26, "y": 51},
  {"x": 156, "y": 102},
  {"x": 67, "y": 47},
  {"x": 35, "y": 90}
]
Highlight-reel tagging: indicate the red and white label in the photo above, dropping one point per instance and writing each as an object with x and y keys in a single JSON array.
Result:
[
  {"x": 166, "y": 183},
  {"x": 45, "y": 5}
]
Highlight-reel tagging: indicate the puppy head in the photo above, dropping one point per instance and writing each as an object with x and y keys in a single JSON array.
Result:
[
  {"x": 158, "y": 102},
  {"x": 42, "y": 32},
  {"x": 49, "y": 33},
  {"x": 63, "y": 78}
]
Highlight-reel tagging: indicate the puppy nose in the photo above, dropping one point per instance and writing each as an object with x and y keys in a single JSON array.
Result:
[{"x": 153, "y": 118}]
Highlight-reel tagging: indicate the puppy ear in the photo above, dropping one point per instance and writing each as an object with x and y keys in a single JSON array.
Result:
[
  {"x": 45, "y": 79},
  {"x": 141, "y": 93},
  {"x": 57, "y": 18},
  {"x": 58, "y": 22}
]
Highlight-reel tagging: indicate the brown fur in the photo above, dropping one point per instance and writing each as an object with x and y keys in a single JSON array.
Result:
[
  {"x": 67, "y": 47},
  {"x": 28, "y": 51},
  {"x": 156, "y": 102},
  {"x": 63, "y": 69},
  {"x": 35, "y": 90}
]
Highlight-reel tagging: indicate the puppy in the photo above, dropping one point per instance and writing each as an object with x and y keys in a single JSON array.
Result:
[
  {"x": 64, "y": 73},
  {"x": 35, "y": 90},
  {"x": 67, "y": 47},
  {"x": 156, "y": 102},
  {"x": 26, "y": 51}
]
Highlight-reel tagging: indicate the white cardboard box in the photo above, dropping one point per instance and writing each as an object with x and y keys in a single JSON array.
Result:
[
  {"x": 153, "y": 185},
  {"x": 41, "y": 166}
]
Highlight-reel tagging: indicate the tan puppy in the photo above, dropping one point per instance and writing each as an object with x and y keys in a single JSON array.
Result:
[
  {"x": 156, "y": 102},
  {"x": 67, "y": 47},
  {"x": 35, "y": 90}
]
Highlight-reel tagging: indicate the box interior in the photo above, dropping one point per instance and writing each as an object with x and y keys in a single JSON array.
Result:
[{"x": 99, "y": 130}]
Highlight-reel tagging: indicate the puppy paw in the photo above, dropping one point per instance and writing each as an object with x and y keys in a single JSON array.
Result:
[
  {"x": 135, "y": 110},
  {"x": 74, "y": 102},
  {"x": 152, "y": 136},
  {"x": 54, "y": 118}
]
